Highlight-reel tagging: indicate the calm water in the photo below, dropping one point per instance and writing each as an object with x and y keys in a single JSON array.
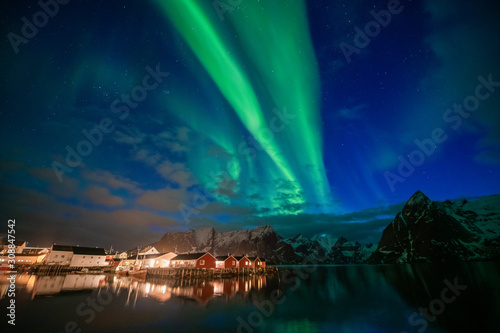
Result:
[{"x": 300, "y": 299}]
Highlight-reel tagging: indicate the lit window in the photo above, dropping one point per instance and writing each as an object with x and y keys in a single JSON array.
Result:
[
  {"x": 202, "y": 262},
  {"x": 234, "y": 262}
]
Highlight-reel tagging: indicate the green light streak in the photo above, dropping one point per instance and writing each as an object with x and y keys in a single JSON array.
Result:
[
  {"x": 272, "y": 39},
  {"x": 280, "y": 47},
  {"x": 194, "y": 25}
]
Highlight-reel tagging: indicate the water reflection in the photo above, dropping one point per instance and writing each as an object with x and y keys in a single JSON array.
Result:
[
  {"x": 199, "y": 290},
  {"x": 51, "y": 285},
  {"x": 300, "y": 299}
]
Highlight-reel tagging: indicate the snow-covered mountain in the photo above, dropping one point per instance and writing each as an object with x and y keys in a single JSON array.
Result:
[
  {"x": 424, "y": 230},
  {"x": 265, "y": 242},
  {"x": 435, "y": 231},
  {"x": 324, "y": 249},
  {"x": 262, "y": 241}
]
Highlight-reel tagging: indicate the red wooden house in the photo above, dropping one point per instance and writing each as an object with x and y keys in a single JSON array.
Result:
[
  {"x": 243, "y": 262},
  {"x": 193, "y": 260},
  {"x": 257, "y": 262},
  {"x": 226, "y": 262}
]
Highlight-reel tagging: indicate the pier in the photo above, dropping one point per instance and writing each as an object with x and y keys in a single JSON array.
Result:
[{"x": 181, "y": 273}]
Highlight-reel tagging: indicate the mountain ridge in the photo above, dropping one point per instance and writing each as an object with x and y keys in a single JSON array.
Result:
[{"x": 423, "y": 231}]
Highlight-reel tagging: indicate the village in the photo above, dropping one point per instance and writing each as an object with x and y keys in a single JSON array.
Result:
[{"x": 136, "y": 262}]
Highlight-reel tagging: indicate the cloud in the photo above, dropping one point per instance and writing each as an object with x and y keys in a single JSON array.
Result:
[
  {"x": 101, "y": 196},
  {"x": 227, "y": 187},
  {"x": 43, "y": 219},
  {"x": 163, "y": 200},
  {"x": 177, "y": 173},
  {"x": 146, "y": 156},
  {"x": 103, "y": 177},
  {"x": 68, "y": 188},
  {"x": 175, "y": 141},
  {"x": 131, "y": 136},
  {"x": 220, "y": 208}
]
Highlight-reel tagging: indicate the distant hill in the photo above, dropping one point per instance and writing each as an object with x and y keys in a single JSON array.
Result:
[
  {"x": 433, "y": 231},
  {"x": 265, "y": 242}
]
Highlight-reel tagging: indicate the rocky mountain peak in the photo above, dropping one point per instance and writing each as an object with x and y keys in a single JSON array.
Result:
[
  {"x": 416, "y": 204},
  {"x": 428, "y": 230}
]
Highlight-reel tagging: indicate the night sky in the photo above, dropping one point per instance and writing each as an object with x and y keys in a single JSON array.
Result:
[{"x": 122, "y": 120}]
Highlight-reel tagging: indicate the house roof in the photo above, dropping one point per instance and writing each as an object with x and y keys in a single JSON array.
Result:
[
  {"x": 223, "y": 258},
  {"x": 89, "y": 250},
  {"x": 190, "y": 256},
  {"x": 239, "y": 257},
  {"x": 62, "y": 248}
]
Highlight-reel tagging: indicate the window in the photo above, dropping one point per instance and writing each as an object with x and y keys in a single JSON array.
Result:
[
  {"x": 84, "y": 256},
  {"x": 234, "y": 263},
  {"x": 62, "y": 255},
  {"x": 202, "y": 262},
  {"x": 246, "y": 263},
  {"x": 55, "y": 256}
]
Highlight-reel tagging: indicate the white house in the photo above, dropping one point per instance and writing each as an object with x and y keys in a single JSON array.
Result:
[
  {"x": 148, "y": 250},
  {"x": 88, "y": 257},
  {"x": 76, "y": 256},
  {"x": 59, "y": 255},
  {"x": 160, "y": 260}
]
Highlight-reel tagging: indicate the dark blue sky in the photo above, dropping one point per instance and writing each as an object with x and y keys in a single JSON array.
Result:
[{"x": 123, "y": 120}]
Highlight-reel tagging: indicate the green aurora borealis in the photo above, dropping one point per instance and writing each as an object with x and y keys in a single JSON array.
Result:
[
  {"x": 261, "y": 120},
  {"x": 281, "y": 75}
]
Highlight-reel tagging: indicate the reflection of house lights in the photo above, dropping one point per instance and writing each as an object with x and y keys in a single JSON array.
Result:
[
  {"x": 148, "y": 287},
  {"x": 164, "y": 289},
  {"x": 218, "y": 288}
]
